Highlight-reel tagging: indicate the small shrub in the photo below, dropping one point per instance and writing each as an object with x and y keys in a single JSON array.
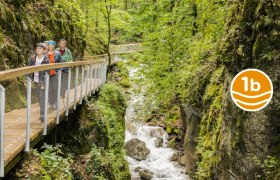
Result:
[{"x": 48, "y": 164}]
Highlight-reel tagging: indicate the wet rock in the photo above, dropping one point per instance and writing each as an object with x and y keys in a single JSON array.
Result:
[
  {"x": 130, "y": 127},
  {"x": 138, "y": 169},
  {"x": 191, "y": 117},
  {"x": 174, "y": 156},
  {"x": 161, "y": 176},
  {"x": 182, "y": 160},
  {"x": 146, "y": 174},
  {"x": 137, "y": 149},
  {"x": 159, "y": 142},
  {"x": 156, "y": 132}
]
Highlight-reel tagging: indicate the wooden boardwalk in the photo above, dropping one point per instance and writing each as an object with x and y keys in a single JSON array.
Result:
[{"x": 15, "y": 123}]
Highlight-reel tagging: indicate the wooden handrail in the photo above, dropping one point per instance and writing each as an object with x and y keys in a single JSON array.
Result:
[{"x": 13, "y": 73}]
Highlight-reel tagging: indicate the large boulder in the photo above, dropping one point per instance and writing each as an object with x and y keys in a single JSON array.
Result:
[{"x": 137, "y": 149}]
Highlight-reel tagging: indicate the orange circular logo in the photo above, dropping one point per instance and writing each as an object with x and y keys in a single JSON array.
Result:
[{"x": 251, "y": 90}]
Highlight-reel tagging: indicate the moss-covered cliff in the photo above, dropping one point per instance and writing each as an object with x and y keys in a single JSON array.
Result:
[
  {"x": 226, "y": 141},
  {"x": 25, "y": 23}
]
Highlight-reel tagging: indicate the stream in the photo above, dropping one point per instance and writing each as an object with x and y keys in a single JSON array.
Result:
[{"x": 158, "y": 161}]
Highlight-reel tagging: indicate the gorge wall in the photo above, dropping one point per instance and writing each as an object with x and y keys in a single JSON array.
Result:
[{"x": 226, "y": 141}]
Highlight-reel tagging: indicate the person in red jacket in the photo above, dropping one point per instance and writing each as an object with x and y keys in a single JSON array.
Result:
[{"x": 54, "y": 57}]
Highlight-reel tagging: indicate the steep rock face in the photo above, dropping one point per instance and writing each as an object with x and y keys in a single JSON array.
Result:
[
  {"x": 255, "y": 39},
  {"x": 191, "y": 137},
  {"x": 25, "y": 23},
  {"x": 232, "y": 142}
]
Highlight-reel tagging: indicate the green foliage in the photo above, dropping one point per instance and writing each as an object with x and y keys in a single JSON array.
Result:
[
  {"x": 107, "y": 164},
  {"x": 270, "y": 168},
  {"x": 125, "y": 83},
  {"x": 54, "y": 166},
  {"x": 51, "y": 163},
  {"x": 122, "y": 75},
  {"x": 113, "y": 97},
  {"x": 180, "y": 39},
  {"x": 107, "y": 159},
  {"x": 97, "y": 17},
  {"x": 134, "y": 59},
  {"x": 210, "y": 136}
]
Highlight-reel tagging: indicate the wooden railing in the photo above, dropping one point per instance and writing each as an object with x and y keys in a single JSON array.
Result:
[
  {"x": 84, "y": 78},
  {"x": 91, "y": 78}
]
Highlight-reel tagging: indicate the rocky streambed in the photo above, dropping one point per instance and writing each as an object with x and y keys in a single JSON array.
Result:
[{"x": 147, "y": 151}]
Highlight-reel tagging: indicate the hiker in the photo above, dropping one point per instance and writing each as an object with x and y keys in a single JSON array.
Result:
[
  {"x": 66, "y": 57},
  {"x": 54, "y": 57},
  {"x": 38, "y": 77}
]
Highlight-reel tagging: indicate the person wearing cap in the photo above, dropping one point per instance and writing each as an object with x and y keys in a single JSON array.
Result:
[
  {"x": 66, "y": 57},
  {"x": 38, "y": 77},
  {"x": 54, "y": 57}
]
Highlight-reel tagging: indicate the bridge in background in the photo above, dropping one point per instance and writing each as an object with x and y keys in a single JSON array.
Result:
[{"x": 20, "y": 127}]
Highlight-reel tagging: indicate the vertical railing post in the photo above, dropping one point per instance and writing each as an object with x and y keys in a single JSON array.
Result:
[
  {"x": 2, "y": 128},
  {"x": 28, "y": 112},
  {"x": 82, "y": 84},
  {"x": 68, "y": 92},
  {"x": 102, "y": 77},
  {"x": 76, "y": 85},
  {"x": 99, "y": 77},
  {"x": 105, "y": 71},
  {"x": 86, "y": 79},
  {"x": 102, "y": 70},
  {"x": 95, "y": 77},
  {"x": 47, "y": 79},
  {"x": 90, "y": 82},
  {"x": 58, "y": 96},
  {"x": 100, "y": 81}
]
